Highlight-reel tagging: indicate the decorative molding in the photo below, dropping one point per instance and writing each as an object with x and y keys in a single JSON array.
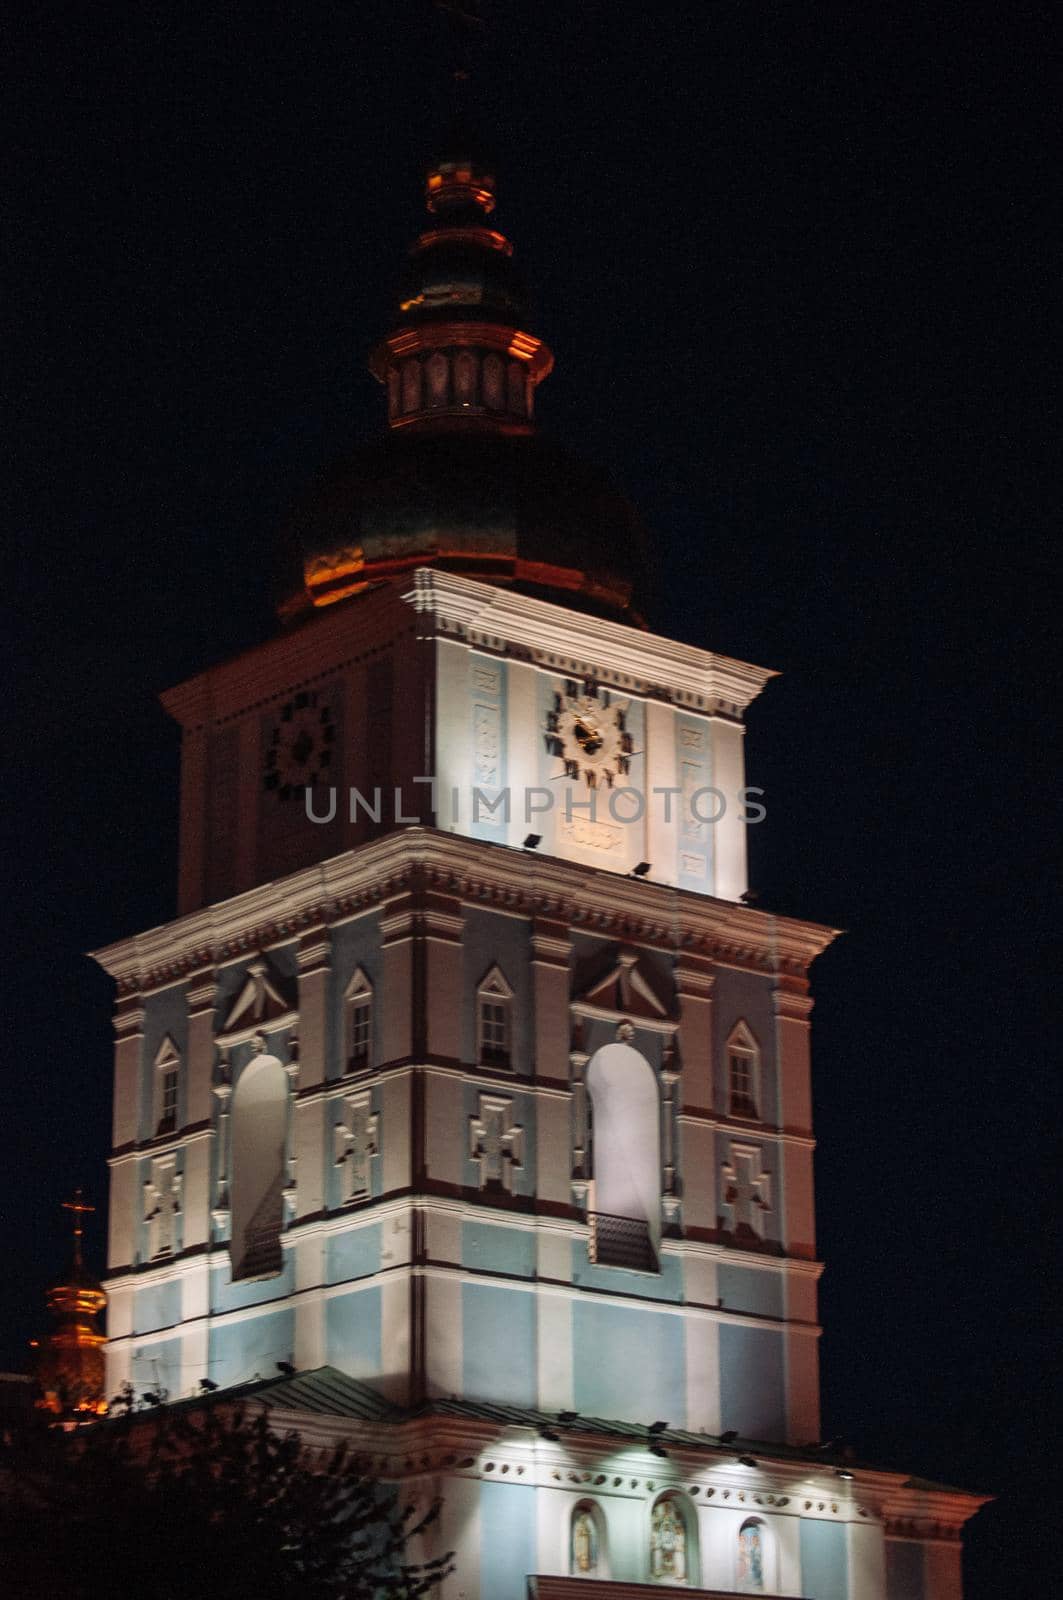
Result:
[
  {"x": 265, "y": 1002},
  {"x": 478, "y": 873},
  {"x": 496, "y": 1143},
  {"x": 564, "y": 641}
]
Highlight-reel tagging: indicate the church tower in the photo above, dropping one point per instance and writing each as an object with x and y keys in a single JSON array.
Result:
[{"x": 466, "y": 1081}]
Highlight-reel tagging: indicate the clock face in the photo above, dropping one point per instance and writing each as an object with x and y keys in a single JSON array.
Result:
[
  {"x": 587, "y": 730},
  {"x": 299, "y": 748}
]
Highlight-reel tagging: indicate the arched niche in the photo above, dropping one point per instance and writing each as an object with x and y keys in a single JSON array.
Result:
[
  {"x": 673, "y": 1541},
  {"x": 755, "y": 1558},
  {"x": 587, "y": 1555},
  {"x": 625, "y": 1144},
  {"x": 259, "y": 1137}
]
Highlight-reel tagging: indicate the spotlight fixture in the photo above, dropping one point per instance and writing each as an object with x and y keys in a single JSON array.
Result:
[
  {"x": 729, "y": 1437},
  {"x": 658, "y": 1450},
  {"x": 548, "y": 1433},
  {"x": 656, "y": 1427},
  {"x": 746, "y": 1461},
  {"x": 287, "y": 1368},
  {"x": 532, "y": 841},
  {"x": 207, "y": 1385},
  {"x": 843, "y": 1472},
  {"x": 150, "y": 1398},
  {"x": 750, "y": 897},
  {"x": 641, "y": 870},
  {"x": 567, "y": 1417}
]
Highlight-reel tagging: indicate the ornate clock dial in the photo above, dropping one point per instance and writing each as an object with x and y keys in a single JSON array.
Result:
[
  {"x": 587, "y": 730},
  {"x": 299, "y": 747}
]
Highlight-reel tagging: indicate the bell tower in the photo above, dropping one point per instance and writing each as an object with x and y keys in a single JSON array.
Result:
[{"x": 466, "y": 1081}]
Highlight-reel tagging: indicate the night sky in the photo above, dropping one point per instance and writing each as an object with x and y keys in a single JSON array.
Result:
[{"x": 793, "y": 261}]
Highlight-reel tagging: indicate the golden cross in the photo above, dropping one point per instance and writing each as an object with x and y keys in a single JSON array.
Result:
[{"x": 79, "y": 1208}]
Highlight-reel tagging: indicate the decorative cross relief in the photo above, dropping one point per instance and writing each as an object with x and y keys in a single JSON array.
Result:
[
  {"x": 746, "y": 1190},
  {"x": 354, "y": 1145},
  {"x": 496, "y": 1143},
  {"x": 162, "y": 1203}
]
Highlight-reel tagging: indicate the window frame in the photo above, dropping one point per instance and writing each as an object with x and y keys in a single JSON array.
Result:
[
  {"x": 166, "y": 1080},
  {"x": 358, "y": 1005},
  {"x": 742, "y": 1047},
  {"x": 494, "y": 991}
]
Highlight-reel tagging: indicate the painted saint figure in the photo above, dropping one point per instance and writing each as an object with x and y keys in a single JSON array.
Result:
[
  {"x": 668, "y": 1543},
  {"x": 584, "y": 1544},
  {"x": 750, "y": 1571}
]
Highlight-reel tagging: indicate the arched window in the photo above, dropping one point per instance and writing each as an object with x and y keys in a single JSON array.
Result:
[
  {"x": 751, "y": 1557},
  {"x": 411, "y": 386},
  {"x": 625, "y": 1158},
  {"x": 493, "y": 383},
  {"x": 437, "y": 379},
  {"x": 586, "y": 1546},
  {"x": 167, "y": 1080},
  {"x": 515, "y": 381},
  {"x": 260, "y": 1126},
  {"x": 465, "y": 378},
  {"x": 394, "y": 383},
  {"x": 743, "y": 1073},
  {"x": 358, "y": 1024},
  {"x": 494, "y": 1022},
  {"x": 673, "y": 1557}
]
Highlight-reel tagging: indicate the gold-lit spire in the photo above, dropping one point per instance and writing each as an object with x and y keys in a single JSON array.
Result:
[{"x": 70, "y": 1359}]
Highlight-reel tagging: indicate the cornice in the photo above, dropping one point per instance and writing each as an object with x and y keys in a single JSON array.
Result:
[
  {"x": 567, "y": 641},
  {"x": 585, "y": 898}
]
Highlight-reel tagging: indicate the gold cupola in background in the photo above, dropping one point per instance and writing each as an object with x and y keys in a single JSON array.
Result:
[{"x": 70, "y": 1366}]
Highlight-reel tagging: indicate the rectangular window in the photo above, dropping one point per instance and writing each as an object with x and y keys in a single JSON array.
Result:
[
  {"x": 743, "y": 1089},
  {"x": 361, "y": 1035},
  {"x": 494, "y": 1033},
  {"x": 167, "y": 1100}
]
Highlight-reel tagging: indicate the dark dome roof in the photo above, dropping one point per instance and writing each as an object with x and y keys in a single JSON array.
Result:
[
  {"x": 454, "y": 272},
  {"x": 511, "y": 508}
]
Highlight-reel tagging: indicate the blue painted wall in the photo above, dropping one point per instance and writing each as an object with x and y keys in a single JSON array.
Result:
[
  {"x": 158, "y": 1366},
  {"x": 228, "y": 1296},
  {"x": 905, "y": 1570},
  {"x": 752, "y": 1382},
  {"x": 498, "y": 1344},
  {"x": 239, "y": 1350},
  {"x": 664, "y": 1285},
  {"x": 749, "y": 1289},
  {"x": 609, "y": 1344},
  {"x": 507, "y": 1540},
  {"x": 824, "y": 1560},
  {"x": 498, "y": 1249},
  {"x": 353, "y": 1332},
  {"x": 156, "y": 1305},
  {"x": 353, "y": 1255}
]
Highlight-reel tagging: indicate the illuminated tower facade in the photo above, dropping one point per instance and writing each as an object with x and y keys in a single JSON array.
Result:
[{"x": 466, "y": 1082}]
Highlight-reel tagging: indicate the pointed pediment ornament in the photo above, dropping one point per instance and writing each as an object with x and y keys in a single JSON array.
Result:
[
  {"x": 266, "y": 1000},
  {"x": 623, "y": 986}
]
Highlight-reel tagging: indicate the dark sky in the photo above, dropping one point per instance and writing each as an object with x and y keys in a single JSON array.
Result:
[{"x": 794, "y": 263}]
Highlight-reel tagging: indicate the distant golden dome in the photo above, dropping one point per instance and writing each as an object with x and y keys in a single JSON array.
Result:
[{"x": 70, "y": 1365}]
